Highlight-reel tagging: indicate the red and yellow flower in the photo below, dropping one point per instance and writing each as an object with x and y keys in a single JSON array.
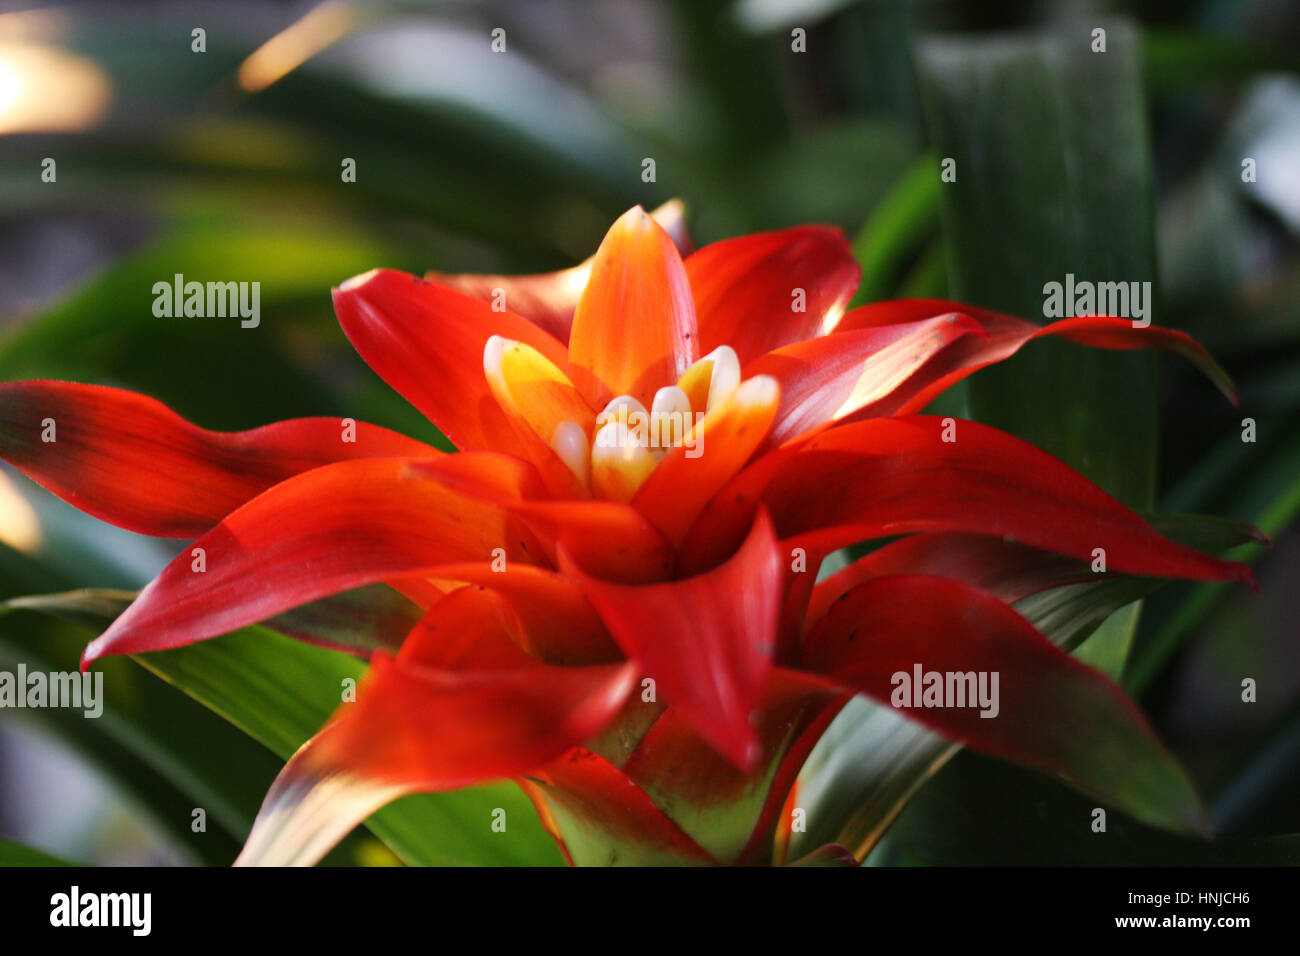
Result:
[{"x": 631, "y": 626}]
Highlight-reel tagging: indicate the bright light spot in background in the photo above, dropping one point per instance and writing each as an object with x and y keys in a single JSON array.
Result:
[
  {"x": 46, "y": 89},
  {"x": 20, "y": 529},
  {"x": 1272, "y": 114},
  {"x": 11, "y": 87},
  {"x": 296, "y": 44}
]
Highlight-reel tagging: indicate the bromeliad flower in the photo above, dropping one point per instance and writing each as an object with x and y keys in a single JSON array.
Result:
[{"x": 617, "y": 571}]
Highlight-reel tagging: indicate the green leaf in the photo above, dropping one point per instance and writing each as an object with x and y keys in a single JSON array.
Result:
[
  {"x": 142, "y": 744},
  {"x": 1053, "y": 179},
  {"x": 831, "y": 854},
  {"x": 159, "y": 776},
  {"x": 280, "y": 691},
  {"x": 736, "y": 73},
  {"x": 87, "y": 608},
  {"x": 835, "y": 174},
  {"x": 980, "y": 812},
  {"x": 464, "y": 140},
  {"x": 907, "y": 214},
  {"x": 107, "y": 331},
  {"x": 1269, "y": 491},
  {"x": 1262, "y": 787},
  {"x": 1175, "y": 59},
  {"x": 15, "y": 854}
]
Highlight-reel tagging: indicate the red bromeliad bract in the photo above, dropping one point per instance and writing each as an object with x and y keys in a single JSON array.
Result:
[{"x": 617, "y": 572}]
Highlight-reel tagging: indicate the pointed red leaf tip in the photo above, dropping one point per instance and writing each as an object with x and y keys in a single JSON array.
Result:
[
  {"x": 133, "y": 462},
  {"x": 890, "y": 476},
  {"x": 706, "y": 641},
  {"x": 1046, "y": 710},
  {"x": 324, "y": 531},
  {"x": 1006, "y": 335},
  {"x": 763, "y": 291},
  {"x": 427, "y": 341},
  {"x": 634, "y": 329}
]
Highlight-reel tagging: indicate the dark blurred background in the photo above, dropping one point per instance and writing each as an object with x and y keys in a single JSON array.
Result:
[{"x": 225, "y": 163}]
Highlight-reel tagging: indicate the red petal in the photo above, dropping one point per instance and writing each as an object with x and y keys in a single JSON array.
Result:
[
  {"x": 1006, "y": 334},
  {"x": 609, "y": 536},
  {"x": 461, "y": 704},
  {"x": 420, "y": 591},
  {"x": 464, "y": 702},
  {"x": 1005, "y": 570},
  {"x": 830, "y": 378},
  {"x": 707, "y": 641},
  {"x": 634, "y": 328},
  {"x": 328, "y": 530},
  {"x": 427, "y": 341},
  {"x": 548, "y": 300},
  {"x": 1052, "y": 712},
  {"x": 745, "y": 288},
  {"x": 441, "y": 730},
  {"x": 604, "y": 818},
  {"x": 559, "y": 625},
  {"x": 891, "y": 476},
  {"x": 131, "y": 461}
]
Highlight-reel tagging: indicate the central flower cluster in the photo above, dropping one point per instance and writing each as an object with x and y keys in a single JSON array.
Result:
[{"x": 613, "y": 452}]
